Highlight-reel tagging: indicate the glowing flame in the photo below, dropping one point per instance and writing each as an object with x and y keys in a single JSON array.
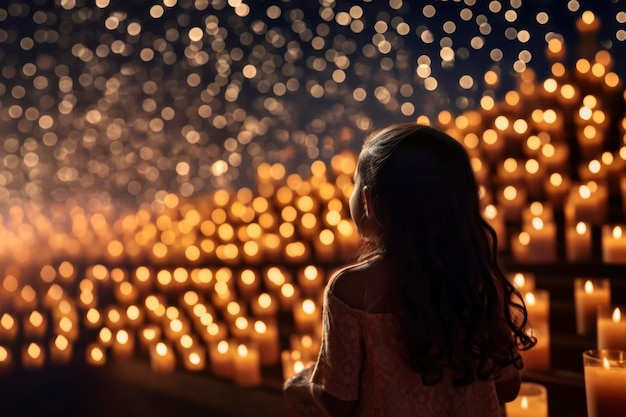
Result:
[
  {"x": 524, "y": 402},
  {"x": 530, "y": 298},
  {"x": 588, "y": 287},
  {"x": 617, "y": 315},
  {"x": 605, "y": 363},
  {"x": 617, "y": 232}
]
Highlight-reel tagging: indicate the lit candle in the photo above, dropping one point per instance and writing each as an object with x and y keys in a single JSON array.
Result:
[
  {"x": 125, "y": 293},
  {"x": 6, "y": 360},
  {"x": 213, "y": 333},
  {"x": 60, "y": 350},
  {"x": 194, "y": 358},
  {"x": 587, "y": 203},
  {"x": 556, "y": 187},
  {"x": 532, "y": 401},
  {"x": 162, "y": 359},
  {"x": 247, "y": 366},
  {"x": 612, "y": 328},
  {"x": 496, "y": 220},
  {"x": 149, "y": 334},
  {"x": 265, "y": 306},
  {"x": 538, "y": 306},
  {"x": 538, "y": 357},
  {"x": 306, "y": 316},
  {"x": 542, "y": 243},
  {"x": 95, "y": 354},
  {"x": 33, "y": 356},
  {"x": 248, "y": 284},
  {"x": 523, "y": 281},
  {"x": 589, "y": 295},
  {"x": 605, "y": 379},
  {"x": 287, "y": 296},
  {"x": 265, "y": 335},
  {"x": 8, "y": 327},
  {"x": 613, "y": 244},
  {"x": 291, "y": 363},
  {"x": 311, "y": 280},
  {"x": 35, "y": 325},
  {"x": 307, "y": 345},
  {"x": 222, "y": 362},
  {"x": 512, "y": 200},
  {"x": 124, "y": 344},
  {"x": 578, "y": 242}
]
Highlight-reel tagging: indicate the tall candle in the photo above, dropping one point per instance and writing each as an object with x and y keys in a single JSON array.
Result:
[
  {"x": 532, "y": 401},
  {"x": 247, "y": 366},
  {"x": 222, "y": 359},
  {"x": 542, "y": 243},
  {"x": 605, "y": 379},
  {"x": 306, "y": 316},
  {"x": 589, "y": 295},
  {"x": 162, "y": 359},
  {"x": 612, "y": 328},
  {"x": 578, "y": 242},
  {"x": 538, "y": 306},
  {"x": 265, "y": 335},
  {"x": 538, "y": 357},
  {"x": 613, "y": 244}
]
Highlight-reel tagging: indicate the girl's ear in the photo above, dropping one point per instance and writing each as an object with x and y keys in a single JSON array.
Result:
[{"x": 366, "y": 196}]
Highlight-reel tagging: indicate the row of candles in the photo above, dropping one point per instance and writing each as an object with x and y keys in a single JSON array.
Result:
[
  {"x": 217, "y": 319},
  {"x": 604, "y": 365}
]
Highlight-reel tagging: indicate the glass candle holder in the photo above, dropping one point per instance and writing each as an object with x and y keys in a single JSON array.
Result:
[
  {"x": 605, "y": 379},
  {"x": 532, "y": 401}
]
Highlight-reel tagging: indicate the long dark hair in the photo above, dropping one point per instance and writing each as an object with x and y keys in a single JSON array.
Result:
[{"x": 461, "y": 312}]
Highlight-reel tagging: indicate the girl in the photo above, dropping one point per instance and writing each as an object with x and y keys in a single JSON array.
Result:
[{"x": 426, "y": 324}]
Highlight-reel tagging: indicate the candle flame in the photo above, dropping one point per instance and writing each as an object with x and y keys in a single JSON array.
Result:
[
  {"x": 242, "y": 350},
  {"x": 161, "y": 349},
  {"x": 519, "y": 280},
  {"x": 584, "y": 192},
  {"x": 537, "y": 223},
  {"x": 222, "y": 347},
  {"x": 581, "y": 228},
  {"x": 308, "y": 306},
  {"x": 524, "y": 402},
  {"x": 530, "y": 298},
  {"x": 605, "y": 363},
  {"x": 617, "y": 315},
  {"x": 617, "y": 232},
  {"x": 298, "y": 366},
  {"x": 260, "y": 327},
  {"x": 588, "y": 287},
  {"x": 194, "y": 358}
]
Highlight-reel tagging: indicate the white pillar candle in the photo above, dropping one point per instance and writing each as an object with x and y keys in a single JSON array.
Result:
[
  {"x": 542, "y": 241},
  {"x": 589, "y": 295},
  {"x": 578, "y": 242},
  {"x": 95, "y": 354},
  {"x": 612, "y": 328},
  {"x": 306, "y": 315},
  {"x": 247, "y": 366},
  {"x": 605, "y": 379},
  {"x": 162, "y": 359},
  {"x": 532, "y": 401},
  {"x": 222, "y": 359},
  {"x": 538, "y": 306},
  {"x": 33, "y": 356},
  {"x": 60, "y": 350},
  {"x": 538, "y": 357},
  {"x": 265, "y": 335},
  {"x": 614, "y": 244}
]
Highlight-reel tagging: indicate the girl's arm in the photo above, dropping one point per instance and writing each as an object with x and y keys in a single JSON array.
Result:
[{"x": 333, "y": 406}]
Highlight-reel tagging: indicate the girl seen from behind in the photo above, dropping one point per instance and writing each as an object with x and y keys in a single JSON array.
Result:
[{"x": 426, "y": 324}]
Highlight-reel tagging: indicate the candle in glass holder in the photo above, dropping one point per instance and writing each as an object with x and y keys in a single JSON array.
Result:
[
  {"x": 247, "y": 366},
  {"x": 589, "y": 295},
  {"x": 162, "y": 359},
  {"x": 605, "y": 379},
  {"x": 613, "y": 244},
  {"x": 578, "y": 242},
  {"x": 612, "y": 328},
  {"x": 532, "y": 401}
]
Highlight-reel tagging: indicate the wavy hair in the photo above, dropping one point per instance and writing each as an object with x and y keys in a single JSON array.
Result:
[{"x": 461, "y": 312}]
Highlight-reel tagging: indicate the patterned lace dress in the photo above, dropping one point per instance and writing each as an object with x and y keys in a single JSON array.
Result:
[{"x": 362, "y": 358}]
